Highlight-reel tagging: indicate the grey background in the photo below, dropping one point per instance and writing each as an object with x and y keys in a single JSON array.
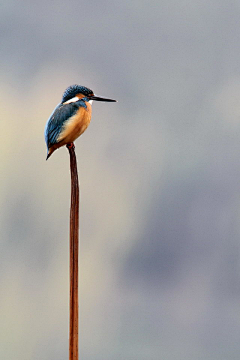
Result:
[{"x": 160, "y": 179}]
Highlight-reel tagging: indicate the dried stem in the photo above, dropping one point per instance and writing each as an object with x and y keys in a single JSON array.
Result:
[{"x": 74, "y": 231}]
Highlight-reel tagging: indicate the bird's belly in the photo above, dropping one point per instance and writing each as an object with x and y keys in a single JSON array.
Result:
[{"x": 75, "y": 126}]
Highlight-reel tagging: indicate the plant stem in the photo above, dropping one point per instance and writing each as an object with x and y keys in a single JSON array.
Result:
[{"x": 74, "y": 231}]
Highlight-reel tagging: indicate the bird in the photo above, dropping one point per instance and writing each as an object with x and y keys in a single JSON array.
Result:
[{"x": 70, "y": 118}]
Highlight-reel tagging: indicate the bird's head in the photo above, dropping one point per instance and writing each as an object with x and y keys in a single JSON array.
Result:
[{"x": 76, "y": 92}]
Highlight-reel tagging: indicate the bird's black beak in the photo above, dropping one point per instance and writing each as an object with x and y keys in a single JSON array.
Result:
[{"x": 98, "y": 98}]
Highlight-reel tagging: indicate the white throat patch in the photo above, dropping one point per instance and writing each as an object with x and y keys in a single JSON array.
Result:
[{"x": 74, "y": 99}]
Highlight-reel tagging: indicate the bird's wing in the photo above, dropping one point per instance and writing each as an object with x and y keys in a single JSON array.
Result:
[{"x": 55, "y": 123}]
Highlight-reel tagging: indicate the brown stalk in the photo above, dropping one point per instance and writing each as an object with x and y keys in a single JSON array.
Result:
[{"x": 74, "y": 231}]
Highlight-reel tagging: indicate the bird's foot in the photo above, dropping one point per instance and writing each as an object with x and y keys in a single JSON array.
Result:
[{"x": 70, "y": 145}]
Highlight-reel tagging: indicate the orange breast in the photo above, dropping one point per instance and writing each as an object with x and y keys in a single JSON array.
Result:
[{"x": 76, "y": 125}]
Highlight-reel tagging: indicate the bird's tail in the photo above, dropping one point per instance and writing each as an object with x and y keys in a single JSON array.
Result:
[
  {"x": 49, "y": 153},
  {"x": 51, "y": 150}
]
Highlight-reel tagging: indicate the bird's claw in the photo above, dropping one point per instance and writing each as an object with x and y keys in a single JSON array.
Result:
[{"x": 70, "y": 145}]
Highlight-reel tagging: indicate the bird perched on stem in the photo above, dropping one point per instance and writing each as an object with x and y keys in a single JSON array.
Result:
[{"x": 70, "y": 118}]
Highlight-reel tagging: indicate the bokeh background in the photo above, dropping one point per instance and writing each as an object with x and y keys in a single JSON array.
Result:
[{"x": 160, "y": 179}]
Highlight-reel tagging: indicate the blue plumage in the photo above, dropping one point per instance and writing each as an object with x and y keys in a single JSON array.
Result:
[{"x": 57, "y": 120}]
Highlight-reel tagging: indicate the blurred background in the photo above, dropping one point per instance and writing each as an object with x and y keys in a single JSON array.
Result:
[{"x": 160, "y": 179}]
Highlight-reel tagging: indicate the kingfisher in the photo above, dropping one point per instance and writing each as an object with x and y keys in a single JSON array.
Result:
[{"x": 70, "y": 118}]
